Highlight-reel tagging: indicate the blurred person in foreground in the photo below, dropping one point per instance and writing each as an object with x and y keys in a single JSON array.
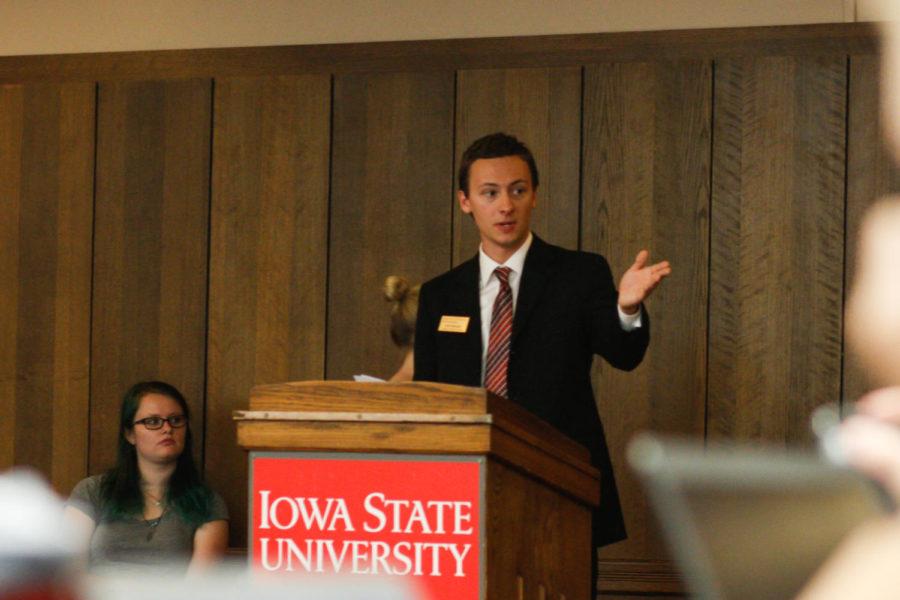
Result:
[
  {"x": 865, "y": 565},
  {"x": 37, "y": 544},
  {"x": 152, "y": 508}
]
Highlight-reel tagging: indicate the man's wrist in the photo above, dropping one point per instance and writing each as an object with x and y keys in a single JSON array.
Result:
[{"x": 630, "y": 322}]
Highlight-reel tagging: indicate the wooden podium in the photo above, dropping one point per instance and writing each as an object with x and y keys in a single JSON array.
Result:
[{"x": 537, "y": 486}]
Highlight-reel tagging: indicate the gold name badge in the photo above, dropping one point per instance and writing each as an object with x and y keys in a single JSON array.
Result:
[{"x": 452, "y": 324}]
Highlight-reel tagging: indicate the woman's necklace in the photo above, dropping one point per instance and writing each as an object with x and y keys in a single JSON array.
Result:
[
  {"x": 154, "y": 500},
  {"x": 152, "y": 524}
]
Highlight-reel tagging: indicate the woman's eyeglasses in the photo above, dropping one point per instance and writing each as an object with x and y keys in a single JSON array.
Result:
[{"x": 175, "y": 421}]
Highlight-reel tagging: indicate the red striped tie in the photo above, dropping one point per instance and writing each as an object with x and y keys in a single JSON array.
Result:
[{"x": 498, "y": 340}]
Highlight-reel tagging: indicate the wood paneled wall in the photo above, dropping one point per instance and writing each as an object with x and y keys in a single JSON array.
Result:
[
  {"x": 776, "y": 265},
  {"x": 646, "y": 185},
  {"x": 392, "y": 159},
  {"x": 46, "y": 213},
  {"x": 226, "y": 218},
  {"x": 151, "y": 216},
  {"x": 268, "y": 256}
]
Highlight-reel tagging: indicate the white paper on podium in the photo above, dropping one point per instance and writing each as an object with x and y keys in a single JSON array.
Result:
[{"x": 368, "y": 378}]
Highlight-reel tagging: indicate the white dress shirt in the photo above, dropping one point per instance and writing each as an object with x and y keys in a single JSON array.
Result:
[{"x": 489, "y": 287}]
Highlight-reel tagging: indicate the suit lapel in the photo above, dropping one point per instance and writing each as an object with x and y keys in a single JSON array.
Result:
[
  {"x": 535, "y": 273},
  {"x": 467, "y": 301}
]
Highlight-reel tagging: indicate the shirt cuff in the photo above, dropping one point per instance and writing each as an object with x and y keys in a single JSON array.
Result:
[{"x": 629, "y": 322}]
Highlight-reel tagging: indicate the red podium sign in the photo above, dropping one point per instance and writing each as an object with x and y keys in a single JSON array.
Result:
[{"x": 370, "y": 515}]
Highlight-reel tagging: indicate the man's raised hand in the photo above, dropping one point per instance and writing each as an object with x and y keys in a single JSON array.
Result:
[{"x": 639, "y": 281}]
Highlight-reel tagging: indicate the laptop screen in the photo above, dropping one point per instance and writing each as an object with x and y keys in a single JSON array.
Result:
[{"x": 745, "y": 522}]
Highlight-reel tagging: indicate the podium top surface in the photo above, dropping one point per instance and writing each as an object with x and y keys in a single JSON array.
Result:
[
  {"x": 412, "y": 402},
  {"x": 358, "y": 396}
]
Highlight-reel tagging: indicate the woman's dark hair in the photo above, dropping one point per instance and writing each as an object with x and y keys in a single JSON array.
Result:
[
  {"x": 495, "y": 145},
  {"x": 120, "y": 487}
]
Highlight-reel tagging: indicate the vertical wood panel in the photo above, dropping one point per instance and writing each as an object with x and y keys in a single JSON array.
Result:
[
  {"x": 646, "y": 185},
  {"x": 392, "y": 169},
  {"x": 12, "y": 123},
  {"x": 267, "y": 256},
  {"x": 46, "y": 198},
  {"x": 871, "y": 174},
  {"x": 542, "y": 107},
  {"x": 777, "y": 245},
  {"x": 150, "y": 255}
]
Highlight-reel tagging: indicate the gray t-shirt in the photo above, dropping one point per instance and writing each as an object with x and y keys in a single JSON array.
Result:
[{"x": 167, "y": 542}]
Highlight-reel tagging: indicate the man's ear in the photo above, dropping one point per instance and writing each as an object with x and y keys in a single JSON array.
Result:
[{"x": 464, "y": 203}]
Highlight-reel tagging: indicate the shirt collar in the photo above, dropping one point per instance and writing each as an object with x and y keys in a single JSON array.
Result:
[{"x": 516, "y": 262}]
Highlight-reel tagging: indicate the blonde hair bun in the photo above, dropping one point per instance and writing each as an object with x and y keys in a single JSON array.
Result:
[
  {"x": 395, "y": 288},
  {"x": 405, "y": 304}
]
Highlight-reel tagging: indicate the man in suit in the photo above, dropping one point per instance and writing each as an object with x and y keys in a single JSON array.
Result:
[{"x": 562, "y": 305}]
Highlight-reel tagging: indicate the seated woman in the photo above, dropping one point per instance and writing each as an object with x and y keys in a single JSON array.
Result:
[
  {"x": 152, "y": 508},
  {"x": 405, "y": 301}
]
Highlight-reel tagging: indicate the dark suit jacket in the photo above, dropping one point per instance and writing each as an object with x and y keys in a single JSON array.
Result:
[{"x": 565, "y": 313}]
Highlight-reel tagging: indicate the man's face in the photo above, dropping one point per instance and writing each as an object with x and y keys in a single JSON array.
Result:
[{"x": 500, "y": 198}]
